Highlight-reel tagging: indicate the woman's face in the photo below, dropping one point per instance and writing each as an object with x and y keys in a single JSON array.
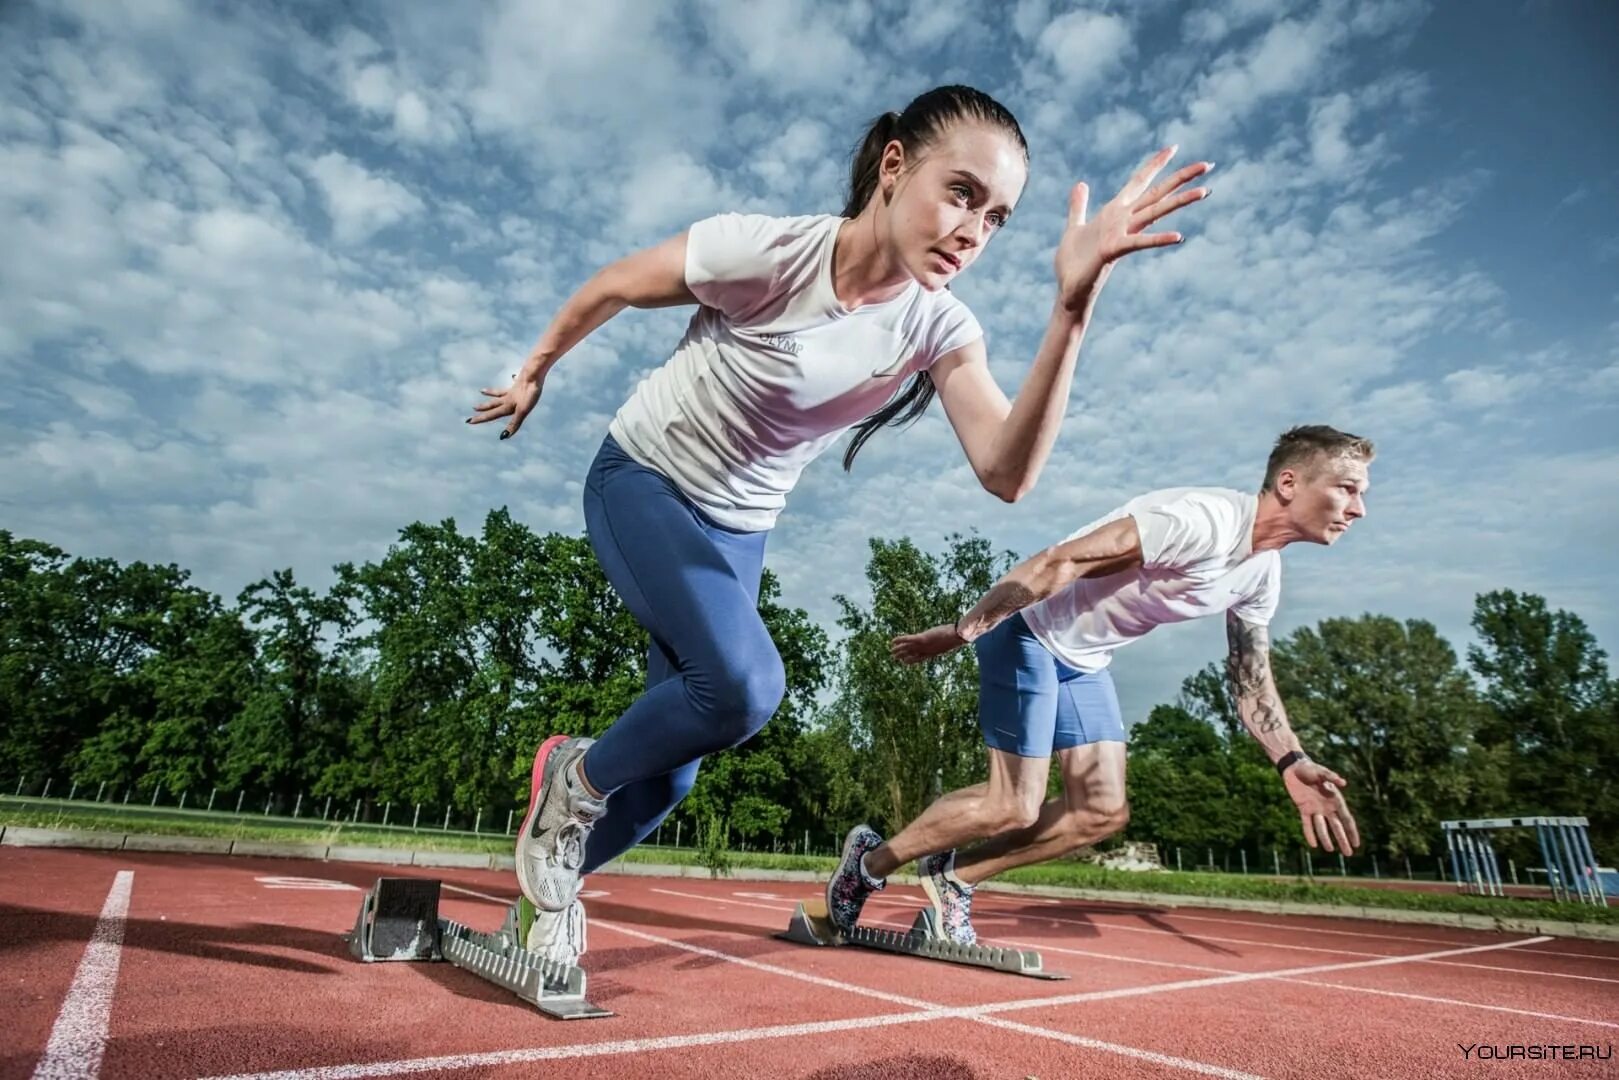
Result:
[{"x": 944, "y": 206}]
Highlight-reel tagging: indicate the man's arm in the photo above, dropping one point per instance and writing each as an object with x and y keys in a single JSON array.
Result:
[
  {"x": 1315, "y": 789},
  {"x": 1258, "y": 703},
  {"x": 1104, "y": 550}
]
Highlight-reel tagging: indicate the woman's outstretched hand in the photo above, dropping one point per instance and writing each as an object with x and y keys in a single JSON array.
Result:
[
  {"x": 516, "y": 401},
  {"x": 1089, "y": 249}
]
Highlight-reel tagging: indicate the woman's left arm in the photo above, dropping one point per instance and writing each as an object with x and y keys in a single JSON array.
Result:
[{"x": 1008, "y": 442}]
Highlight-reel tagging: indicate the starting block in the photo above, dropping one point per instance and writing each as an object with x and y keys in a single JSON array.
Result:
[
  {"x": 810, "y": 925},
  {"x": 399, "y": 920}
]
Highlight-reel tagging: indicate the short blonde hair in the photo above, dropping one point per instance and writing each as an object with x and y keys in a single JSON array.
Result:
[{"x": 1305, "y": 444}]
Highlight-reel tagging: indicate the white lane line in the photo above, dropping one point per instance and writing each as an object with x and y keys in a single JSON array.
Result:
[
  {"x": 757, "y": 965},
  {"x": 79, "y": 1038},
  {"x": 943, "y": 1012},
  {"x": 1423, "y": 958},
  {"x": 1318, "y": 983},
  {"x": 1177, "y": 913},
  {"x": 1247, "y": 976},
  {"x": 1261, "y": 943},
  {"x": 930, "y": 1009},
  {"x": 1114, "y": 1048},
  {"x": 579, "y": 1050}
]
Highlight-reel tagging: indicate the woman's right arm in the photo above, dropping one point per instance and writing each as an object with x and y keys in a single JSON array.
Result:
[{"x": 653, "y": 278}]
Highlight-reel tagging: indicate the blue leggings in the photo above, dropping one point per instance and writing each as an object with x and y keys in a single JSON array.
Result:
[{"x": 713, "y": 674}]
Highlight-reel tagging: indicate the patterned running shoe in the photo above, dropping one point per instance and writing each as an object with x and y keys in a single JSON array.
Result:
[
  {"x": 846, "y": 892},
  {"x": 558, "y": 936},
  {"x": 551, "y": 843},
  {"x": 952, "y": 899}
]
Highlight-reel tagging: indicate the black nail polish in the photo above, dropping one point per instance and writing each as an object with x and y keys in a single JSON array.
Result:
[{"x": 504, "y": 435}]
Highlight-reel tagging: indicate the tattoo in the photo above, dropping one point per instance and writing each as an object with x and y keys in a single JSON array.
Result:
[
  {"x": 1004, "y": 600},
  {"x": 1248, "y": 668}
]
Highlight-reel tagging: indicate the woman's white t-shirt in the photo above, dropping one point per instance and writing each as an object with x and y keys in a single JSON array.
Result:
[
  {"x": 773, "y": 368},
  {"x": 1197, "y": 558}
]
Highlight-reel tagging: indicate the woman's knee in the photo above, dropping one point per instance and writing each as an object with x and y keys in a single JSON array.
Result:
[{"x": 746, "y": 694}]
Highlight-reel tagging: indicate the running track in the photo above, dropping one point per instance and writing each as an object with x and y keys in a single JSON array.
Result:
[{"x": 118, "y": 964}]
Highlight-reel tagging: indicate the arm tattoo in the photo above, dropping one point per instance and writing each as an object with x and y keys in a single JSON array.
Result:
[{"x": 1248, "y": 668}]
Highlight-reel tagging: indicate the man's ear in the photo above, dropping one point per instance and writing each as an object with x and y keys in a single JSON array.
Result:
[{"x": 1287, "y": 485}]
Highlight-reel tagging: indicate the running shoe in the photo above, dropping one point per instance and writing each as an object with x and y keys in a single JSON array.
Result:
[
  {"x": 551, "y": 843},
  {"x": 559, "y": 936},
  {"x": 952, "y": 898},
  {"x": 849, "y": 886}
]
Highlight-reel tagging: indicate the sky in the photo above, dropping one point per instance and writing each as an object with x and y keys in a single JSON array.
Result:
[{"x": 259, "y": 258}]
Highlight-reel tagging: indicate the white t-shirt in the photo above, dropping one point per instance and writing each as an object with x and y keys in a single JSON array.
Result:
[
  {"x": 773, "y": 368},
  {"x": 1197, "y": 559}
]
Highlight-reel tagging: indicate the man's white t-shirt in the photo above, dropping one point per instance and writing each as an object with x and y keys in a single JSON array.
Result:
[
  {"x": 773, "y": 368},
  {"x": 1197, "y": 559}
]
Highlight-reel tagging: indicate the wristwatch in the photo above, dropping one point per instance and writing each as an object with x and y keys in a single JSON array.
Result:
[{"x": 1291, "y": 758}]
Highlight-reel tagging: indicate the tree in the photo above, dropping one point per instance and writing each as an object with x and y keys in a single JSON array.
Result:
[
  {"x": 1386, "y": 705},
  {"x": 912, "y": 730},
  {"x": 292, "y": 728},
  {"x": 1551, "y": 710}
]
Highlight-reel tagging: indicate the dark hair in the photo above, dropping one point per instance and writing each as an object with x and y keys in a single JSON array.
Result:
[
  {"x": 1304, "y": 444},
  {"x": 917, "y": 127}
]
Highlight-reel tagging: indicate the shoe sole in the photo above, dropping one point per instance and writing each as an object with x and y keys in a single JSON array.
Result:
[{"x": 525, "y": 834}]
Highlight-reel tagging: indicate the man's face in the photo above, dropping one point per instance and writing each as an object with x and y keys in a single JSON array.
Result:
[{"x": 1325, "y": 496}]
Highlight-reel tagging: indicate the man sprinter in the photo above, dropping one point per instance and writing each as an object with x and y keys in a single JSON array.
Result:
[{"x": 1044, "y": 635}]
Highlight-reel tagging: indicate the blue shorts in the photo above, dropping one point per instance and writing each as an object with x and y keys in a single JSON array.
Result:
[{"x": 1031, "y": 704}]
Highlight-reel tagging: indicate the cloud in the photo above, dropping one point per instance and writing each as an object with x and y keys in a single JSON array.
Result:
[
  {"x": 1086, "y": 47},
  {"x": 256, "y": 271},
  {"x": 360, "y": 203}
]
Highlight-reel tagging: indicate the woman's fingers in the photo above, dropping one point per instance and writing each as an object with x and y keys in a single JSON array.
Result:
[
  {"x": 1144, "y": 241},
  {"x": 1078, "y": 200},
  {"x": 1155, "y": 211},
  {"x": 1139, "y": 183},
  {"x": 494, "y": 410},
  {"x": 1180, "y": 177}
]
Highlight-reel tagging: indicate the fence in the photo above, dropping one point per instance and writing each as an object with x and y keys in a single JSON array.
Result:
[{"x": 677, "y": 831}]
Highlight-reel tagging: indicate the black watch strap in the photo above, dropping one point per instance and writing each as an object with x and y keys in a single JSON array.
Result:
[{"x": 1292, "y": 757}]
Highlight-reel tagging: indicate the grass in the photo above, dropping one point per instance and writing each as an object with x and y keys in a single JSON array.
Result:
[{"x": 1061, "y": 873}]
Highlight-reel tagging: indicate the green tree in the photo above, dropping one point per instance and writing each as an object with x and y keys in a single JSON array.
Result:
[
  {"x": 1385, "y": 704},
  {"x": 912, "y": 730},
  {"x": 292, "y": 728},
  {"x": 1551, "y": 710}
]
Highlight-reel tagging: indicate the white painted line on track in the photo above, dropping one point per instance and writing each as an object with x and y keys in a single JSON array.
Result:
[
  {"x": 928, "y": 1009},
  {"x": 1317, "y": 983},
  {"x": 1247, "y": 976},
  {"x": 580, "y": 1050},
  {"x": 1423, "y": 958},
  {"x": 79, "y": 1038},
  {"x": 985, "y": 1014},
  {"x": 1114, "y": 1048},
  {"x": 943, "y": 1012}
]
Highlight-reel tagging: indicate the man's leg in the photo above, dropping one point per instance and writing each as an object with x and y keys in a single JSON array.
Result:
[
  {"x": 1017, "y": 709},
  {"x": 1008, "y": 801},
  {"x": 1091, "y": 750},
  {"x": 1091, "y": 807}
]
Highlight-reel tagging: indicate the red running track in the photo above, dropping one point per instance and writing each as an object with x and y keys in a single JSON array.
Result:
[{"x": 239, "y": 967}]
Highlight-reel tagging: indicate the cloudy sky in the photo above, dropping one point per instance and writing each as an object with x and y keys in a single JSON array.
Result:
[{"x": 255, "y": 266}]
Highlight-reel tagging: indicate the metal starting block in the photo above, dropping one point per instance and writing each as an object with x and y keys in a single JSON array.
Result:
[
  {"x": 399, "y": 920},
  {"x": 810, "y": 925}
]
